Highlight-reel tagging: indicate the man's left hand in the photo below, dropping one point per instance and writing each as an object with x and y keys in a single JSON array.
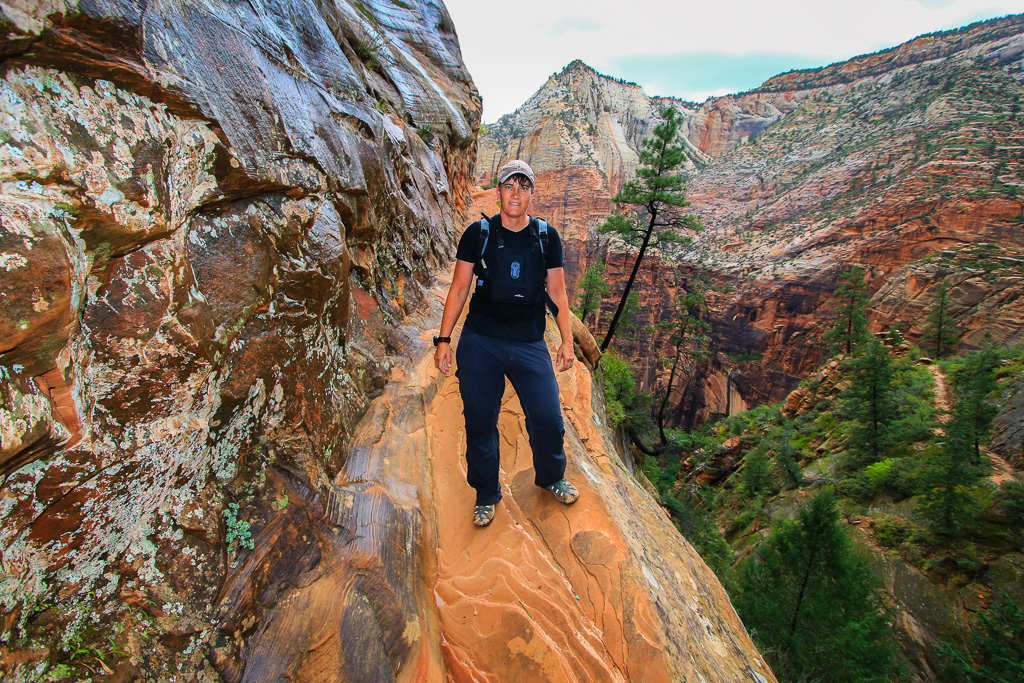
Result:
[{"x": 565, "y": 357}]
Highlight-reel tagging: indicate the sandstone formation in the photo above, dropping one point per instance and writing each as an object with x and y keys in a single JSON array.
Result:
[
  {"x": 223, "y": 451},
  {"x": 904, "y": 162},
  {"x": 200, "y": 242}
]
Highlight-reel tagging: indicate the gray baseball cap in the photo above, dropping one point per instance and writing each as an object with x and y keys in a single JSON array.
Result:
[{"x": 513, "y": 167}]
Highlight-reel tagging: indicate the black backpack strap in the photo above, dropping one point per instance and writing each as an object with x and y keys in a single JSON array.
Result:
[
  {"x": 542, "y": 234},
  {"x": 485, "y": 232}
]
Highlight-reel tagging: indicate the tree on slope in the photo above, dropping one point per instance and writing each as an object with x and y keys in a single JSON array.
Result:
[
  {"x": 811, "y": 602},
  {"x": 869, "y": 404},
  {"x": 593, "y": 288},
  {"x": 940, "y": 334},
  {"x": 656, "y": 198},
  {"x": 849, "y": 325},
  {"x": 974, "y": 382},
  {"x": 950, "y": 481},
  {"x": 787, "y": 457},
  {"x": 689, "y": 336}
]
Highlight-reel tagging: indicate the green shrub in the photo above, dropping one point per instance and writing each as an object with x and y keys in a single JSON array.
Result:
[
  {"x": 619, "y": 386},
  {"x": 879, "y": 474},
  {"x": 856, "y": 486},
  {"x": 750, "y": 509},
  {"x": 746, "y": 356},
  {"x": 627, "y": 407},
  {"x": 891, "y": 531},
  {"x": 654, "y": 472},
  {"x": 825, "y": 421},
  {"x": 702, "y": 532}
]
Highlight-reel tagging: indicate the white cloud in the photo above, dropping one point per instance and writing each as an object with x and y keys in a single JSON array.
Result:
[{"x": 545, "y": 35}]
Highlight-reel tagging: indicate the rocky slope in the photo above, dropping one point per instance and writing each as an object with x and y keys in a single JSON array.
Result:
[
  {"x": 220, "y": 439},
  {"x": 904, "y": 162}
]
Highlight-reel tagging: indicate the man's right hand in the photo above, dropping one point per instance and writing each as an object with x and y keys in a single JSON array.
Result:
[{"x": 443, "y": 357}]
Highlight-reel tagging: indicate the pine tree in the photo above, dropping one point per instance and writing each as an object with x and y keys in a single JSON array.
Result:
[
  {"x": 690, "y": 337},
  {"x": 756, "y": 477},
  {"x": 787, "y": 458},
  {"x": 940, "y": 334},
  {"x": 811, "y": 602},
  {"x": 869, "y": 404},
  {"x": 656, "y": 198},
  {"x": 974, "y": 382},
  {"x": 950, "y": 480},
  {"x": 849, "y": 324},
  {"x": 593, "y": 288}
]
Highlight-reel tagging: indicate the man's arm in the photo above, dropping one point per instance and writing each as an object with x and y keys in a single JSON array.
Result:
[
  {"x": 462, "y": 280},
  {"x": 556, "y": 290}
]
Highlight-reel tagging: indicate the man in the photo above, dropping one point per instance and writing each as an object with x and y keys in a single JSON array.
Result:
[{"x": 504, "y": 337}]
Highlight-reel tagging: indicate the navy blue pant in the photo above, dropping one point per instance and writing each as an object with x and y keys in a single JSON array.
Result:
[{"x": 483, "y": 363}]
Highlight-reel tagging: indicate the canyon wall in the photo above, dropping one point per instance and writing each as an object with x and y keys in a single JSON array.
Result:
[
  {"x": 201, "y": 244},
  {"x": 224, "y": 454},
  {"x": 904, "y": 162}
]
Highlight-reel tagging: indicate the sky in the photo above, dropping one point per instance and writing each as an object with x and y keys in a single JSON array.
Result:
[{"x": 681, "y": 48}]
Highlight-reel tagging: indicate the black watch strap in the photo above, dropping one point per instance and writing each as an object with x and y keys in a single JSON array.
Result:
[{"x": 438, "y": 340}]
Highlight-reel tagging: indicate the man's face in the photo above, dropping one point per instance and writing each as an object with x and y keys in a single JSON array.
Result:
[{"x": 515, "y": 195}]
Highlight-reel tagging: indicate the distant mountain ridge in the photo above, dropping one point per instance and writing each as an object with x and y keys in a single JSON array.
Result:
[{"x": 925, "y": 47}]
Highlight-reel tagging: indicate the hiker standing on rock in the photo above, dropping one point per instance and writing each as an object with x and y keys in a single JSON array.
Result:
[{"x": 514, "y": 261}]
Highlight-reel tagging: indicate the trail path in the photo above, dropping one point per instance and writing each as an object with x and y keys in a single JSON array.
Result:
[
  {"x": 1001, "y": 470},
  {"x": 939, "y": 388}
]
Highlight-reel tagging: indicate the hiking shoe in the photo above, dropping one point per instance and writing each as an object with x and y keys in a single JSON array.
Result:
[
  {"x": 483, "y": 515},
  {"x": 564, "y": 491}
]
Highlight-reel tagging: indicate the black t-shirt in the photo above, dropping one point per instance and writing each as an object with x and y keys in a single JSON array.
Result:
[{"x": 518, "y": 322}]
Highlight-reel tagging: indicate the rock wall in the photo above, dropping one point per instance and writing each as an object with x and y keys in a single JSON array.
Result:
[
  {"x": 200, "y": 243},
  {"x": 902, "y": 162},
  {"x": 1008, "y": 426}
]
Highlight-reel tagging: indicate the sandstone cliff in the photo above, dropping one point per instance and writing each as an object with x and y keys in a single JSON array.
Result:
[
  {"x": 904, "y": 162},
  {"x": 222, "y": 450}
]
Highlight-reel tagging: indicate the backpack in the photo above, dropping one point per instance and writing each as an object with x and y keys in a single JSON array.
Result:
[{"x": 517, "y": 280}]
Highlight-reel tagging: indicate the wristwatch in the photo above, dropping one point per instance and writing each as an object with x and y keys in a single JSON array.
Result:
[{"x": 438, "y": 340}]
